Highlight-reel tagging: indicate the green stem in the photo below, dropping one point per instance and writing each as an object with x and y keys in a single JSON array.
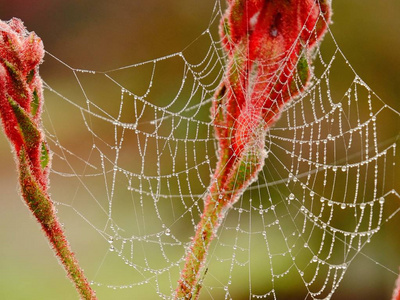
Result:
[
  {"x": 189, "y": 284},
  {"x": 228, "y": 185},
  {"x": 42, "y": 208}
]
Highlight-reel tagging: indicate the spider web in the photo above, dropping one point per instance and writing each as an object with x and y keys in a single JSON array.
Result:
[{"x": 132, "y": 165}]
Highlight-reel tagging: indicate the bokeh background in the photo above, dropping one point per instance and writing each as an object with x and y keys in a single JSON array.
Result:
[{"x": 103, "y": 35}]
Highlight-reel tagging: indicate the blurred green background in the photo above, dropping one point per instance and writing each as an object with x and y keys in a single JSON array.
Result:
[{"x": 102, "y": 35}]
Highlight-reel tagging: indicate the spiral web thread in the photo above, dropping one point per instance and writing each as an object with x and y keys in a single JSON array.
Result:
[{"x": 134, "y": 179}]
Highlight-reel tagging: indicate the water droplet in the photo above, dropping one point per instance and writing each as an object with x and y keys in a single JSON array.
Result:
[
  {"x": 381, "y": 200},
  {"x": 274, "y": 32},
  {"x": 291, "y": 196}
]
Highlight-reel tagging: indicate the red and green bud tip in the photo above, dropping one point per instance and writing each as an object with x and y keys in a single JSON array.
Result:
[{"x": 269, "y": 45}]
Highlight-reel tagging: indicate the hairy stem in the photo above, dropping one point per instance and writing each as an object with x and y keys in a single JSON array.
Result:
[
  {"x": 189, "y": 285},
  {"x": 42, "y": 208},
  {"x": 226, "y": 188}
]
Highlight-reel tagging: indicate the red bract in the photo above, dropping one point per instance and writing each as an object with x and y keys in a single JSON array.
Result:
[
  {"x": 21, "y": 53},
  {"x": 269, "y": 45}
]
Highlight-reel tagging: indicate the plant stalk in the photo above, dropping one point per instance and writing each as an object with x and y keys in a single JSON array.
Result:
[
  {"x": 269, "y": 46},
  {"x": 42, "y": 208},
  {"x": 21, "y": 102}
]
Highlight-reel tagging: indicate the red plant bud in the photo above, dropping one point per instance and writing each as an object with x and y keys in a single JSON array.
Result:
[
  {"x": 21, "y": 100},
  {"x": 21, "y": 97},
  {"x": 268, "y": 43}
]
